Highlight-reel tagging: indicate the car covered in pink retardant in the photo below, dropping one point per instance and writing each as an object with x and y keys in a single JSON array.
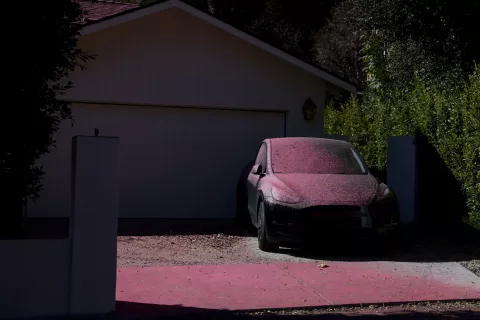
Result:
[{"x": 302, "y": 189}]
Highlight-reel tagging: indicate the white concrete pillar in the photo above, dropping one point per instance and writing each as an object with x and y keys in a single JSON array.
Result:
[
  {"x": 93, "y": 226},
  {"x": 402, "y": 175}
]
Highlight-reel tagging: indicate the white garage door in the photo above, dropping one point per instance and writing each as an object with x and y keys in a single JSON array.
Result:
[{"x": 174, "y": 162}]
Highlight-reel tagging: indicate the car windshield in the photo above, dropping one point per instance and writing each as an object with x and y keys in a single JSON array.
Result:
[{"x": 314, "y": 157}]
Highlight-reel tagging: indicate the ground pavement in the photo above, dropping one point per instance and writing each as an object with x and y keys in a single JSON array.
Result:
[{"x": 177, "y": 290}]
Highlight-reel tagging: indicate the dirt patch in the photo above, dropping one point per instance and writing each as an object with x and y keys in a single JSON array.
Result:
[
  {"x": 169, "y": 250},
  {"x": 178, "y": 249},
  {"x": 192, "y": 242},
  {"x": 472, "y": 265}
]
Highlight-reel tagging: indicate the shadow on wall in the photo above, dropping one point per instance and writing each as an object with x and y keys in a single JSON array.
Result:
[
  {"x": 47, "y": 228},
  {"x": 440, "y": 197},
  {"x": 58, "y": 228},
  {"x": 152, "y": 227}
]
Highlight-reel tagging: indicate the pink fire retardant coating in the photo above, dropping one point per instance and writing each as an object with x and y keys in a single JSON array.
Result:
[
  {"x": 224, "y": 287},
  {"x": 320, "y": 172},
  {"x": 327, "y": 189},
  {"x": 178, "y": 290},
  {"x": 313, "y": 155},
  {"x": 97, "y": 10}
]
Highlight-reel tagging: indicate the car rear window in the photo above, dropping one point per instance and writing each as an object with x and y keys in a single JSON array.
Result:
[{"x": 314, "y": 157}]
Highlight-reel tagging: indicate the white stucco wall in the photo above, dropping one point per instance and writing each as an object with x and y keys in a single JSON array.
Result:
[
  {"x": 75, "y": 276},
  {"x": 35, "y": 278},
  {"x": 173, "y": 58}
]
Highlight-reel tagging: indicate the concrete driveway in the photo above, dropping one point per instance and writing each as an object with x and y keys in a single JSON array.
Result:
[
  {"x": 184, "y": 289},
  {"x": 183, "y": 270}
]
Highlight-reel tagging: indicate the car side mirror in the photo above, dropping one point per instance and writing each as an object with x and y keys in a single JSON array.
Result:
[{"x": 257, "y": 169}]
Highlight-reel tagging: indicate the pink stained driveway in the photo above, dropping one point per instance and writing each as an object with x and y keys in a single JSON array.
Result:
[{"x": 182, "y": 289}]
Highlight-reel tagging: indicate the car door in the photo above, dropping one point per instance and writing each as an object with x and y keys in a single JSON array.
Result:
[{"x": 254, "y": 179}]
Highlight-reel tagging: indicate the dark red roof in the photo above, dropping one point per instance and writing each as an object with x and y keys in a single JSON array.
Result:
[{"x": 101, "y": 9}]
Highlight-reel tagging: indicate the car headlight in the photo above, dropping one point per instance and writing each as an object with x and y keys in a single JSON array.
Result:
[
  {"x": 284, "y": 196},
  {"x": 384, "y": 195}
]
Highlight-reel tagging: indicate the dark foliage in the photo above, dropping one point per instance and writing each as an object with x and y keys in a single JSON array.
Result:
[
  {"x": 338, "y": 47},
  {"x": 288, "y": 24},
  {"x": 434, "y": 39},
  {"x": 42, "y": 49},
  {"x": 301, "y": 19}
]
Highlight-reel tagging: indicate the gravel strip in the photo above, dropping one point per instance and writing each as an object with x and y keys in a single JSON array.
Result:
[
  {"x": 472, "y": 265},
  {"x": 174, "y": 250},
  {"x": 465, "y": 310},
  {"x": 179, "y": 250},
  {"x": 422, "y": 310}
]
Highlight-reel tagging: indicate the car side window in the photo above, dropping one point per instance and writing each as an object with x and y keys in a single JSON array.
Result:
[{"x": 262, "y": 157}]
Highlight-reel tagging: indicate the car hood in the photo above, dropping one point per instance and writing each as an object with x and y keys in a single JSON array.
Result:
[{"x": 332, "y": 189}]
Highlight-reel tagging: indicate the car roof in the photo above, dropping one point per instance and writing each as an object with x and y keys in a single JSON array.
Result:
[{"x": 316, "y": 141}]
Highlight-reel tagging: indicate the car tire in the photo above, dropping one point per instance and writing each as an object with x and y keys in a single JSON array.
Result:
[
  {"x": 390, "y": 243},
  {"x": 263, "y": 243},
  {"x": 379, "y": 249},
  {"x": 383, "y": 245}
]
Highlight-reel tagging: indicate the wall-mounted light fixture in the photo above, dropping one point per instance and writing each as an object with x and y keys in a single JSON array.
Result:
[{"x": 309, "y": 109}]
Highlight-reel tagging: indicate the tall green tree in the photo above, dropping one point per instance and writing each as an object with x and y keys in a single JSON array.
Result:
[
  {"x": 293, "y": 24},
  {"x": 42, "y": 50},
  {"x": 338, "y": 47},
  {"x": 433, "y": 39}
]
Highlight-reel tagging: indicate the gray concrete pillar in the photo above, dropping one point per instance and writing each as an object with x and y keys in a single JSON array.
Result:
[
  {"x": 93, "y": 224},
  {"x": 402, "y": 175}
]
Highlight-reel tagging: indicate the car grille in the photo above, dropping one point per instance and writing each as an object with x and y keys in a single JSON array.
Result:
[
  {"x": 337, "y": 222},
  {"x": 338, "y": 208},
  {"x": 334, "y": 211},
  {"x": 335, "y": 216}
]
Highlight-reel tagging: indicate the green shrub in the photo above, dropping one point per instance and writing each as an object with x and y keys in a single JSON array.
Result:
[{"x": 449, "y": 119}]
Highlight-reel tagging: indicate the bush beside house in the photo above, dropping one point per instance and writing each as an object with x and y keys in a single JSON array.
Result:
[
  {"x": 448, "y": 118},
  {"x": 43, "y": 52}
]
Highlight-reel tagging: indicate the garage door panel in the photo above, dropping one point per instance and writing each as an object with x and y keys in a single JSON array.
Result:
[
  {"x": 174, "y": 162},
  {"x": 204, "y": 152}
]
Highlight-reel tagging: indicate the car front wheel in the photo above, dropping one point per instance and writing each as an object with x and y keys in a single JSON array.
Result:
[{"x": 263, "y": 243}]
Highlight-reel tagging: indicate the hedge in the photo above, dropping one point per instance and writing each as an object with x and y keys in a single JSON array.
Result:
[{"x": 449, "y": 119}]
